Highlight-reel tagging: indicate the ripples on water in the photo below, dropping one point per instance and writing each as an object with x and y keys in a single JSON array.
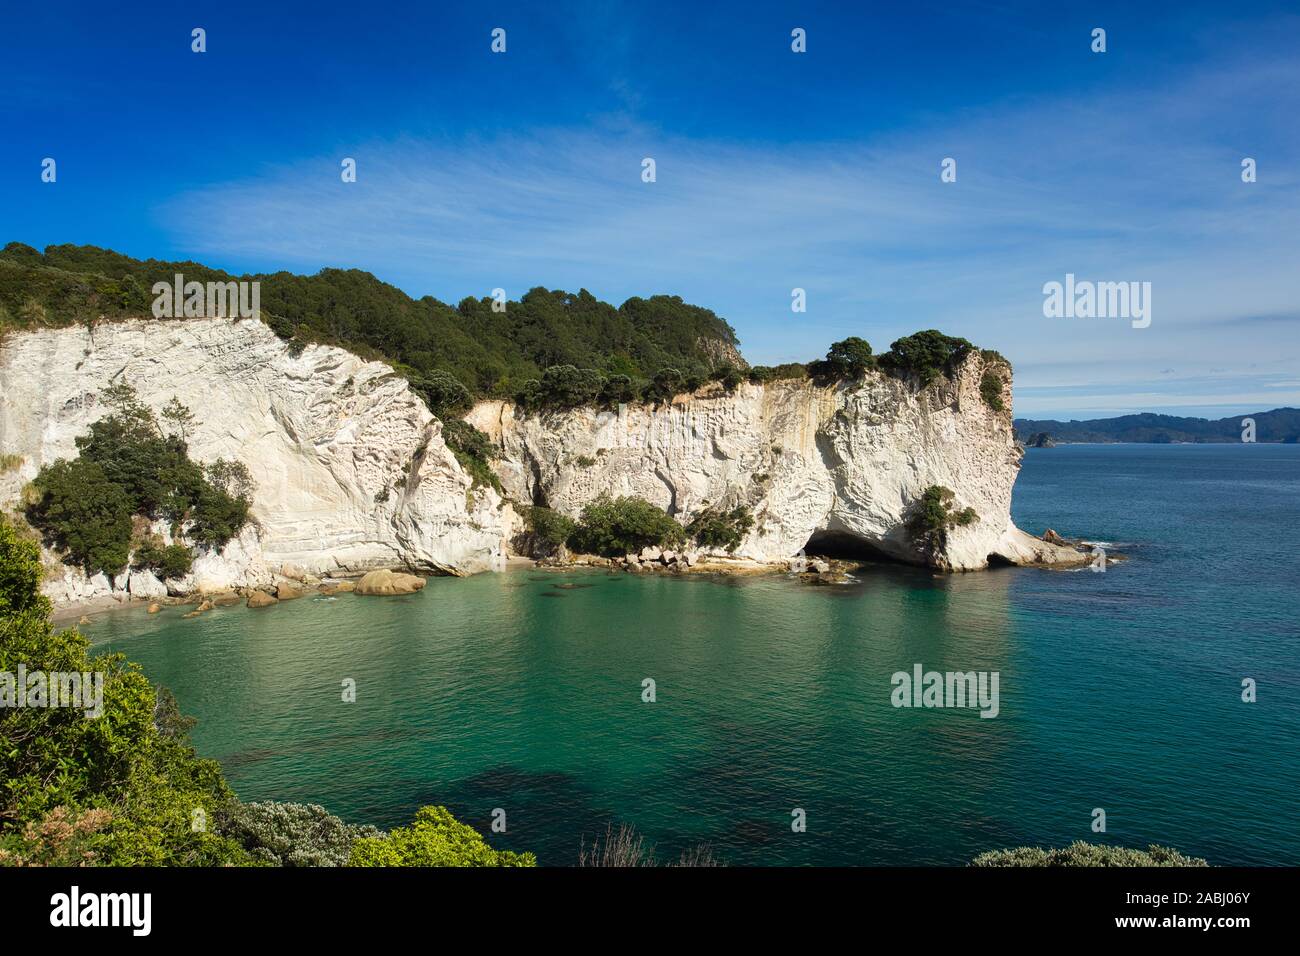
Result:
[{"x": 1118, "y": 690}]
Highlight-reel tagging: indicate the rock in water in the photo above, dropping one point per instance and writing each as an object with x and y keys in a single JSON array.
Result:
[
  {"x": 261, "y": 599},
  {"x": 1051, "y": 537},
  {"x": 287, "y": 592},
  {"x": 155, "y": 608},
  {"x": 386, "y": 583}
]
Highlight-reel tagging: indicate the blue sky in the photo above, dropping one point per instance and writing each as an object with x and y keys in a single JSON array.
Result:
[{"x": 775, "y": 170}]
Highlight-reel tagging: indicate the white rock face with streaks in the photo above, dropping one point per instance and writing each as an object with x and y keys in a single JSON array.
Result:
[
  {"x": 814, "y": 464},
  {"x": 350, "y": 468}
]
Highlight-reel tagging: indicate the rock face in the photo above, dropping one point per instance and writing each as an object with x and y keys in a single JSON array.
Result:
[
  {"x": 839, "y": 465},
  {"x": 350, "y": 468},
  {"x": 352, "y": 473}
]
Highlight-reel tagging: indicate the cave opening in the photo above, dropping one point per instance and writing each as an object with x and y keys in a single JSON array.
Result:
[{"x": 845, "y": 546}]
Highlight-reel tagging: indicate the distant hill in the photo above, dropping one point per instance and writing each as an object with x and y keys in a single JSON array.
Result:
[
  {"x": 490, "y": 352},
  {"x": 1279, "y": 425}
]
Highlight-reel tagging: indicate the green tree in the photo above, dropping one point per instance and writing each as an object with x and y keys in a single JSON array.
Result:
[
  {"x": 83, "y": 514},
  {"x": 617, "y": 526},
  {"x": 925, "y": 355},
  {"x": 850, "y": 357},
  {"x": 57, "y": 764},
  {"x": 714, "y": 528}
]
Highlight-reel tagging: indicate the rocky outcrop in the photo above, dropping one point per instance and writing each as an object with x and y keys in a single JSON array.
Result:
[
  {"x": 352, "y": 473},
  {"x": 350, "y": 467},
  {"x": 818, "y": 466},
  {"x": 387, "y": 583}
]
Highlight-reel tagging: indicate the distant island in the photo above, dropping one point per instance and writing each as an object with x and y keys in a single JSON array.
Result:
[{"x": 1279, "y": 425}]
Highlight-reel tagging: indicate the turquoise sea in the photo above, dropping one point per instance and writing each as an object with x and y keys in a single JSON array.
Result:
[{"x": 1118, "y": 690}]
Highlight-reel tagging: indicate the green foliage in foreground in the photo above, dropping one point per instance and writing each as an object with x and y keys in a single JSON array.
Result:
[
  {"x": 120, "y": 789},
  {"x": 1080, "y": 853},
  {"x": 128, "y": 466},
  {"x": 126, "y": 788},
  {"x": 436, "y": 838},
  {"x": 612, "y": 527},
  {"x": 294, "y": 834}
]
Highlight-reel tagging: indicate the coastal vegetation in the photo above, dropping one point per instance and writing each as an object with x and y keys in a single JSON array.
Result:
[
  {"x": 549, "y": 350},
  {"x": 612, "y": 527},
  {"x": 1080, "y": 853},
  {"x": 934, "y": 514},
  {"x": 130, "y": 467},
  {"x": 124, "y": 786},
  {"x": 715, "y": 528}
]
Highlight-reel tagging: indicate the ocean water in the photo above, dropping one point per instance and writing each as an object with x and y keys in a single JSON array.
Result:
[{"x": 523, "y": 691}]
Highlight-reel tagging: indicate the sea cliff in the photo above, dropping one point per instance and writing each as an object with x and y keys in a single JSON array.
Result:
[{"x": 351, "y": 472}]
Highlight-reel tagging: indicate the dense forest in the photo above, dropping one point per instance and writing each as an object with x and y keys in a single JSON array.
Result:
[
  {"x": 492, "y": 353},
  {"x": 1279, "y": 425},
  {"x": 550, "y": 349}
]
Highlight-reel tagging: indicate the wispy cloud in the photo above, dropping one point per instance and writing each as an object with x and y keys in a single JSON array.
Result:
[{"x": 1139, "y": 187}]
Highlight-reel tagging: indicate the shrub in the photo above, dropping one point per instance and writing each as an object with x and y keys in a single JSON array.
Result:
[
  {"x": 1080, "y": 853},
  {"x": 991, "y": 385},
  {"x": 443, "y": 393},
  {"x": 712, "y": 528},
  {"x": 617, "y": 526},
  {"x": 128, "y": 466},
  {"x": 294, "y": 834},
  {"x": 625, "y": 847},
  {"x": 474, "y": 450},
  {"x": 728, "y": 375},
  {"x": 551, "y": 528},
  {"x": 849, "y": 358},
  {"x": 934, "y": 514},
  {"x": 57, "y": 765},
  {"x": 436, "y": 838},
  {"x": 585, "y": 461},
  {"x": 666, "y": 383},
  {"x": 926, "y": 355},
  {"x": 83, "y": 514},
  {"x": 172, "y": 561}
]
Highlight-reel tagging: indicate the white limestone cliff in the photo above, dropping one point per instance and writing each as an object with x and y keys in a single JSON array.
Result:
[
  {"x": 841, "y": 464},
  {"x": 352, "y": 474},
  {"x": 350, "y": 468}
]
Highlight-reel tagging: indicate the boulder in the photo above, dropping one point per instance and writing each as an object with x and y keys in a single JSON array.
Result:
[
  {"x": 386, "y": 583},
  {"x": 692, "y": 558},
  {"x": 1051, "y": 537},
  {"x": 669, "y": 557},
  {"x": 287, "y": 592},
  {"x": 650, "y": 554},
  {"x": 818, "y": 566},
  {"x": 293, "y": 572},
  {"x": 343, "y": 587},
  {"x": 261, "y": 599}
]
